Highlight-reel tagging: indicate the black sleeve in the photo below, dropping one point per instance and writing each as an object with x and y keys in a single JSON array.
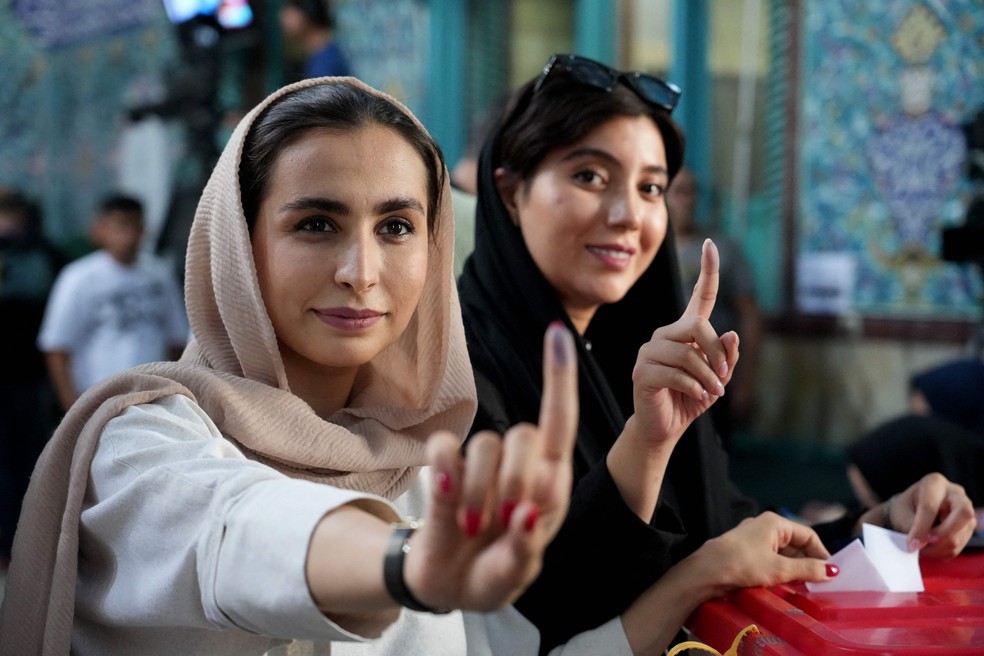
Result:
[
  {"x": 837, "y": 533},
  {"x": 603, "y": 557}
]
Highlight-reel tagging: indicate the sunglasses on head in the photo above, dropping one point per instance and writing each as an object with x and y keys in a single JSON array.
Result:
[{"x": 588, "y": 71}]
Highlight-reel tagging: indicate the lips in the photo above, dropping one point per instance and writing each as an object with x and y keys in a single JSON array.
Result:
[
  {"x": 614, "y": 255},
  {"x": 345, "y": 318}
]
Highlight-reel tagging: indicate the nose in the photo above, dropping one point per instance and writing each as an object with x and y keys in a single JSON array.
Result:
[
  {"x": 624, "y": 211},
  {"x": 358, "y": 265}
]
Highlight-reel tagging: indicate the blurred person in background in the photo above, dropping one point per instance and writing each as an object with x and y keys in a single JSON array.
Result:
[
  {"x": 308, "y": 25},
  {"x": 112, "y": 309},
  {"x": 944, "y": 432},
  {"x": 736, "y": 308},
  {"x": 28, "y": 267}
]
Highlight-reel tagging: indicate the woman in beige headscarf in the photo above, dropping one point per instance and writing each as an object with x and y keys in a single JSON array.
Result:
[{"x": 243, "y": 500}]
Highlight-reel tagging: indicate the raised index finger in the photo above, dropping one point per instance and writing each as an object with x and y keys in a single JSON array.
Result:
[
  {"x": 559, "y": 405},
  {"x": 706, "y": 289}
]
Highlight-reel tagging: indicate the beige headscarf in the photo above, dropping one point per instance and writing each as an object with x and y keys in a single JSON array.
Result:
[{"x": 233, "y": 370}]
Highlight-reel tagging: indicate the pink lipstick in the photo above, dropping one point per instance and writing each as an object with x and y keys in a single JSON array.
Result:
[
  {"x": 344, "y": 318},
  {"x": 615, "y": 256}
]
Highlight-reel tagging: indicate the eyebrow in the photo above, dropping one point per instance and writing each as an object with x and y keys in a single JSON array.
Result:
[
  {"x": 605, "y": 155},
  {"x": 333, "y": 206}
]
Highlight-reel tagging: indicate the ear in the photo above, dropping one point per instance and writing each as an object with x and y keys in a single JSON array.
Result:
[{"x": 509, "y": 186}]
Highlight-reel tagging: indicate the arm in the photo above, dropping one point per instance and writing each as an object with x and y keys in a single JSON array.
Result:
[
  {"x": 311, "y": 551},
  {"x": 59, "y": 370},
  {"x": 765, "y": 550},
  {"x": 678, "y": 375}
]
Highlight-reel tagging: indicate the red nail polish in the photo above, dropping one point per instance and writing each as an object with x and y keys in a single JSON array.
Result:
[
  {"x": 473, "y": 522},
  {"x": 507, "y": 510},
  {"x": 444, "y": 482},
  {"x": 531, "y": 519},
  {"x": 832, "y": 570}
]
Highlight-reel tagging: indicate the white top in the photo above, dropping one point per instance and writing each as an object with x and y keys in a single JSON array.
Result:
[
  {"x": 187, "y": 547},
  {"x": 111, "y": 317}
]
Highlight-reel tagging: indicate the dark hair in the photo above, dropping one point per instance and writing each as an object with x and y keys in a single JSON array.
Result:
[
  {"x": 564, "y": 111},
  {"x": 120, "y": 203},
  {"x": 316, "y": 11},
  {"x": 337, "y": 106},
  {"x": 16, "y": 202}
]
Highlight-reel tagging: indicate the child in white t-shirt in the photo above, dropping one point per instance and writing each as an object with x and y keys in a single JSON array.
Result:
[{"x": 112, "y": 309}]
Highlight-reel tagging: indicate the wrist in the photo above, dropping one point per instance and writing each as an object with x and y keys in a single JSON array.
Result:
[{"x": 395, "y": 569}]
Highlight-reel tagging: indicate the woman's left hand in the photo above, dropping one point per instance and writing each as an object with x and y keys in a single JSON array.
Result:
[
  {"x": 684, "y": 368},
  {"x": 936, "y": 513}
]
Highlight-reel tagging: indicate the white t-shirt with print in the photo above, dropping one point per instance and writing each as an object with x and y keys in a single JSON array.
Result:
[{"x": 111, "y": 317}]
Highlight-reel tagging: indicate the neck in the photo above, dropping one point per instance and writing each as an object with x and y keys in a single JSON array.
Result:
[
  {"x": 581, "y": 317},
  {"x": 326, "y": 390},
  {"x": 315, "y": 40}
]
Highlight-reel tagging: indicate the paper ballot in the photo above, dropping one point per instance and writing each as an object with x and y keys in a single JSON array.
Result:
[{"x": 883, "y": 563}]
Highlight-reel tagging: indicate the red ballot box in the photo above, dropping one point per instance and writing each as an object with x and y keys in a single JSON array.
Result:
[{"x": 945, "y": 620}]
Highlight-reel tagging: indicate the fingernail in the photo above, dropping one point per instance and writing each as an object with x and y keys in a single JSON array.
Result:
[
  {"x": 703, "y": 395},
  {"x": 832, "y": 570},
  {"x": 444, "y": 482},
  {"x": 473, "y": 522},
  {"x": 723, "y": 369},
  {"x": 558, "y": 339},
  {"x": 719, "y": 389},
  {"x": 507, "y": 510},
  {"x": 916, "y": 545},
  {"x": 932, "y": 538},
  {"x": 532, "y": 517}
]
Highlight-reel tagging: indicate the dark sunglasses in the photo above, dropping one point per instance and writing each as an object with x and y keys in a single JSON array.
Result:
[{"x": 588, "y": 71}]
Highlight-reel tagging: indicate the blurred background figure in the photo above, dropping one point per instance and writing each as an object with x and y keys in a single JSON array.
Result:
[
  {"x": 112, "y": 309},
  {"x": 736, "y": 308},
  {"x": 464, "y": 183},
  {"x": 944, "y": 432},
  {"x": 309, "y": 27},
  {"x": 28, "y": 267}
]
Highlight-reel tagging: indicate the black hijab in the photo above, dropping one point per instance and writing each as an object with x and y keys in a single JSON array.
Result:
[{"x": 507, "y": 304}]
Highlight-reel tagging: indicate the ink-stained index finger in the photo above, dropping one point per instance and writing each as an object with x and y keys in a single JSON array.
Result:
[
  {"x": 705, "y": 291},
  {"x": 559, "y": 405}
]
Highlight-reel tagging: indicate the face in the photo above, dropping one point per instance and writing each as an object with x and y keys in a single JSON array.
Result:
[
  {"x": 120, "y": 233},
  {"x": 291, "y": 20},
  {"x": 593, "y": 215},
  {"x": 681, "y": 200},
  {"x": 340, "y": 245}
]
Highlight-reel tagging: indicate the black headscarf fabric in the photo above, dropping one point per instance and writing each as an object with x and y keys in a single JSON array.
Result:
[{"x": 604, "y": 555}]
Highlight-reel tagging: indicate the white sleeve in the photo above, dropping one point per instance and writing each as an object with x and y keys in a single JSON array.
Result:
[
  {"x": 180, "y": 529},
  {"x": 60, "y": 326}
]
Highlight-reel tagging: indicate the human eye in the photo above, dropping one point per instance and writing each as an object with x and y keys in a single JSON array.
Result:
[
  {"x": 316, "y": 224},
  {"x": 588, "y": 177},
  {"x": 397, "y": 227},
  {"x": 653, "y": 189}
]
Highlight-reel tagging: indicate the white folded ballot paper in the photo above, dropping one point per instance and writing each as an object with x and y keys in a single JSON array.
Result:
[{"x": 882, "y": 563}]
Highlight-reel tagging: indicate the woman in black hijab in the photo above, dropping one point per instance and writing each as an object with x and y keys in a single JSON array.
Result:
[{"x": 580, "y": 140}]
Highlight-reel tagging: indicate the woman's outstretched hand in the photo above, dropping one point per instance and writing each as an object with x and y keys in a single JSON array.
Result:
[
  {"x": 493, "y": 512},
  {"x": 684, "y": 368},
  {"x": 936, "y": 513},
  {"x": 761, "y": 551}
]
